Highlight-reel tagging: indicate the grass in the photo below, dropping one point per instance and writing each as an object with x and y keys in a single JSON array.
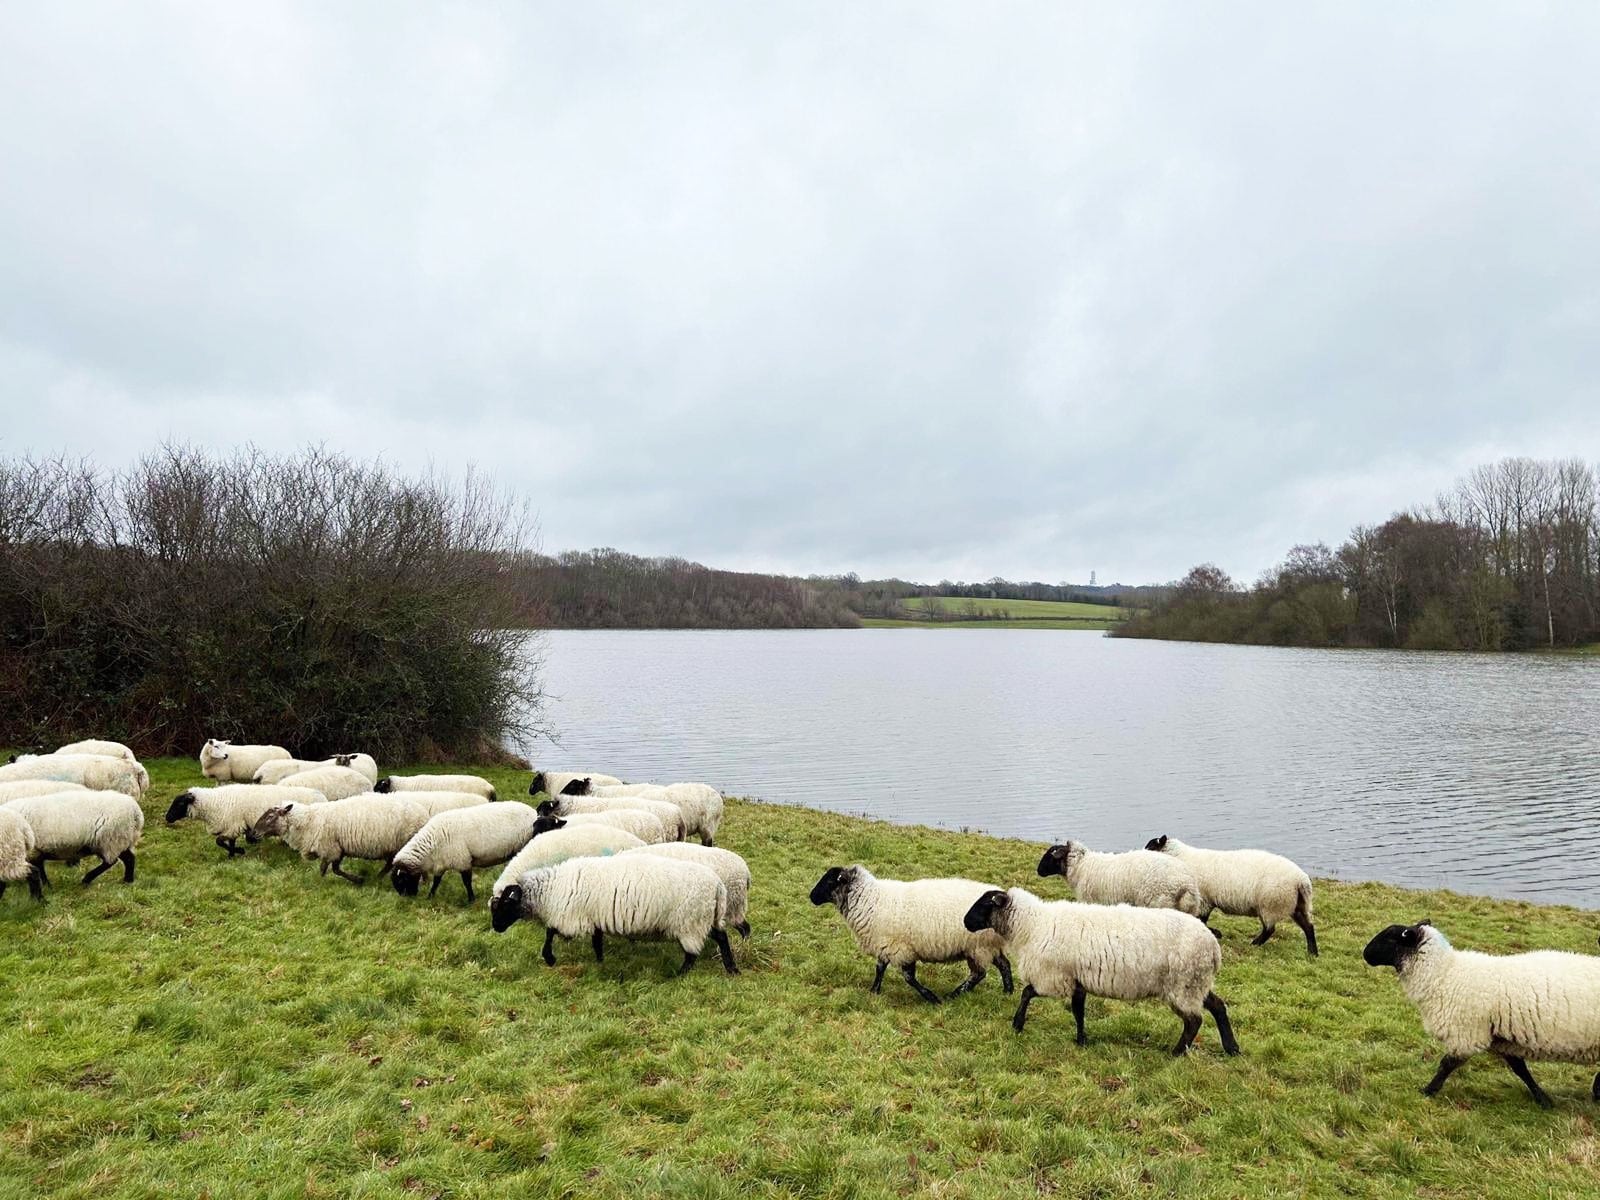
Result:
[
  {"x": 1005, "y": 614},
  {"x": 246, "y": 1027}
]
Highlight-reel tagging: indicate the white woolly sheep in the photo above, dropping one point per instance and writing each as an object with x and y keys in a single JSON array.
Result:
[
  {"x": 336, "y": 783},
  {"x": 636, "y": 896},
  {"x": 567, "y": 783},
  {"x": 434, "y": 803},
  {"x": 669, "y": 814},
  {"x": 701, "y": 803},
  {"x": 17, "y": 789},
  {"x": 645, "y": 826},
  {"x": 730, "y": 868},
  {"x": 462, "y": 839},
  {"x": 1543, "y": 1005},
  {"x": 278, "y": 769},
  {"x": 95, "y": 772},
  {"x": 1073, "y": 950},
  {"x": 368, "y": 826},
  {"x": 554, "y": 842},
  {"x": 364, "y": 763},
  {"x": 226, "y": 763},
  {"x": 71, "y": 825},
  {"x": 17, "y": 851},
  {"x": 904, "y": 922},
  {"x": 96, "y": 746},
  {"x": 435, "y": 783},
  {"x": 1247, "y": 883},
  {"x": 232, "y": 809},
  {"x": 1139, "y": 877}
]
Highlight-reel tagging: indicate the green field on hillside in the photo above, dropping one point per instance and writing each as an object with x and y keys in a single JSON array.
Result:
[
  {"x": 1002, "y": 614},
  {"x": 250, "y": 1028}
]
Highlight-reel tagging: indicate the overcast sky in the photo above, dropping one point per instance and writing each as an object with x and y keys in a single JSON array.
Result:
[{"x": 933, "y": 290}]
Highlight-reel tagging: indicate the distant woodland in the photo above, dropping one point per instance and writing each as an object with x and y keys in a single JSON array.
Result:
[
  {"x": 608, "y": 589},
  {"x": 1508, "y": 559}
]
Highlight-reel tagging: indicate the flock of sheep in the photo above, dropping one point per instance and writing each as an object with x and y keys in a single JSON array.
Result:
[{"x": 597, "y": 856}]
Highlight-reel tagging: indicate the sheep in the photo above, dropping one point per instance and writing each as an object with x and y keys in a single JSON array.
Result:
[
  {"x": 95, "y": 746},
  {"x": 567, "y": 783},
  {"x": 17, "y": 850},
  {"x": 552, "y": 842},
  {"x": 1247, "y": 883},
  {"x": 669, "y": 814},
  {"x": 221, "y": 760},
  {"x": 95, "y": 772},
  {"x": 434, "y": 803},
  {"x": 231, "y": 809},
  {"x": 278, "y": 769},
  {"x": 335, "y": 783},
  {"x": 1543, "y": 1005},
  {"x": 644, "y": 826},
  {"x": 1069, "y": 949},
  {"x": 364, "y": 763},
  {"x": 435, "y": 783},
  {"x": 730, "y": 868},
  {"x": 903, "y": 923},
  {"x": 701, "y": 803},
  {"x": 1139, "y": 877},
  {"x": 366, "y": 826},
  {"x": 462, "y": 839},
  {"x": 637, "y": 896},
  {"x": 17, "y": 789},
  {"x": 71, "y": 825}
]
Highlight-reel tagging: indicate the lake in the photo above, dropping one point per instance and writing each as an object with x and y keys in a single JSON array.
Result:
[{"x": 1468, "y": 771}]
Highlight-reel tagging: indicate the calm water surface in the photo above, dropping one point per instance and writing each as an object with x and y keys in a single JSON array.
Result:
[{"x": 1474, "y": 772}]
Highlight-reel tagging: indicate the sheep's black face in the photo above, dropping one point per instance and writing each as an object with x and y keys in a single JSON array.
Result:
[
  {"x": 982, "y": 913},
  {"x": 1393, "y": 946},
  {"x": 1054, "y": 861},
  {"x": 546, "y": 823},
  {"x": 536, "y": 784},
  {"x": 384, "y": 785},
  {"x": 830, "y": 882},
  {"x": 1157, "y": 844},
  {"x": 576, "y": 787},
  {"x": 406, "y": 881},
  {"x": 547, "y": 808},
  {"x": 506, "y": 908},
  {"x": 181, "y": 804}
]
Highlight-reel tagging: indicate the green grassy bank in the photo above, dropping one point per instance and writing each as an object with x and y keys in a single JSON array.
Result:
[
  {"x": 248, "y": 1028},
  {"x": 1003, "y": 614}
]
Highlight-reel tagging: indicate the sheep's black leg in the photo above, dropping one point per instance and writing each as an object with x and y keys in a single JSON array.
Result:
[
  {"x": 127, "y": 865},
  {"x": 705, "y": 840},
  {"x": 725, "y": 948},
  {"x": 1519, "y": 1068},
  {"x": 910, "y": 973},
  {"x": 877, "y": 980},
  {"x": 324, "y": 870},
  {"x": 1219, "y": 1014},
  {"x": 39, "y": 867},
  {"x": 1022, "y": 1009},
  {"x": 1003, "y": 964},
  {"x": 1266, "y": 932},
  {"x": 1593, "y": 1091},
  {"x": 1191, "y": 1026},
  {"x": 549, "y": 954},
  {"x": 1447, "y": 1067},
  {"x": 388, "y": 865},
  {"x": 598, "y": 941},
  {"x": 1308, "y": 929},
  {"x": 97, "y": 872},
  {"x": 744, "y": 928},
  {"x": 1206, "y": 921},
  {"x": 689, "y": 961},
  {"x": 466, "y": 878},
  {"x": 2, "y": 889},
  {"x": 338, "y": 869},
  {"x": 1079, "y": 995},
  {"x": 37, "y": 892},
  {"x": 975, "y": 975},
  {"x": 228, "y": 844},
  {"x": 434, "y": 890}
]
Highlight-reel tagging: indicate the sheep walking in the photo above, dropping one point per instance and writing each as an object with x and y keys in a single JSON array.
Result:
[
  {"x": 1247, "y": 883},
  {"x": 567, "y": 783},
  {"x": 635, "y": 896},
  {"x": 226, "y": 763},
  {"x": 71, "y": 825},
  {"x": 369, "y": 826},
  {"x": 1543, "y": 1005},
  {"x": 462, "y": 840},
  {"x": 700, "y": 803},
  {"x": 231, "y": 810},
  {"x": 552, "y": 842},
  {"x": 643, "y": 825},
  {"x": 1073, "y": 950},
  {"x": 670, "y": 815},
  {"x": 730, "y": 868},
  {"x": 1140, "y": 877},
  {"x": 17, "y": 852},
  {"x": 901, "y": 923}
]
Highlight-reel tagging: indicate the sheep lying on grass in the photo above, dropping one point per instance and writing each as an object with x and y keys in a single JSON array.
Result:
[
  {"x": 71, "y": 825},
  {"x": 1543, "y": 1005},
  {"x": 278, "y": 769},
  {"x": 97, "y": 746},
  {"x": 902, "y": 923},
  {"x": 1077, "y": 950},
  {"x": 435, "y": 783},
  {"x": 1247, "y": 883},
  {"x": 226, "y": 763},
  {"x": 94, "y": 772},
  {"x": 334, "y": 782}
]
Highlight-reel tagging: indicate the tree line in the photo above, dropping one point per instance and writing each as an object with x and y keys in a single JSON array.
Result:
[
  {"x": 310, "y": 600},
  {"x": 1506, "y": 559}
]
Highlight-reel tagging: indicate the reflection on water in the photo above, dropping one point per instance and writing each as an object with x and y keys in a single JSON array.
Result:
[{"x": 1473, "y": 772}]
